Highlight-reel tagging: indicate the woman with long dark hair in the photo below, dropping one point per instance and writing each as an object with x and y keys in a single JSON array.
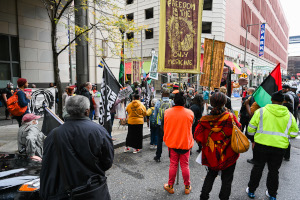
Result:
[{"x": 214, "y": 132}]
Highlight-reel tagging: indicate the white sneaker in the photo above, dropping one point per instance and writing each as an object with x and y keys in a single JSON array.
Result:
[
  {"x": 136, "y": 150},
  {"x": 126, "y": 149},
  {"x": 155, "y": 146},
  {"x": 151, "y": 146},
  {"x": 267, "y": 193}
]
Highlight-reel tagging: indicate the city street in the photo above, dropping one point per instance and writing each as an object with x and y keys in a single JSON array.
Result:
[{"x": 138, "y": 176}]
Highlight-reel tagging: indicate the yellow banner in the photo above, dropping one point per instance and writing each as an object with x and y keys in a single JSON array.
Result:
[
  {"x": 216, "y": 71},
  {"x": 180, "y": 36}
]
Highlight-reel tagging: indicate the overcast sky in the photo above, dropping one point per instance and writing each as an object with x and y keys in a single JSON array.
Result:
[{"x": 292, "y": 14}]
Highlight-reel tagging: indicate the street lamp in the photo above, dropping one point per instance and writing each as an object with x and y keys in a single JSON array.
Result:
[
  {"x": 252, "y": 75},
  {"x": 152, "y": 51}
]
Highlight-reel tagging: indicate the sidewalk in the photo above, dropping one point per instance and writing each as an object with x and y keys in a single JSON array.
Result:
[{"x": 9, "y": 134}]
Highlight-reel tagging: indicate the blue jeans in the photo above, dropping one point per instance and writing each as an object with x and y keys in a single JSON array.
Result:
[
  {"x": 154, "y": 134},
  {"x": 91, "y": 114}
]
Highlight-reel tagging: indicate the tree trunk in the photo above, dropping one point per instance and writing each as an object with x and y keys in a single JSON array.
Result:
[
  {"x": 82, "y": 67},
  {"x": 55, "y": 66}
]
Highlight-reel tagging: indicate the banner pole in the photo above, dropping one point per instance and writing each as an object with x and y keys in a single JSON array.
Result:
[
  {"x": 179, "y": 82},
  {"x": 211, "y": 64}
]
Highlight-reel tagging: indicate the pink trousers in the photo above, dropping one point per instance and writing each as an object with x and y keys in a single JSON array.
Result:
[{"x": 184, "y": 164}]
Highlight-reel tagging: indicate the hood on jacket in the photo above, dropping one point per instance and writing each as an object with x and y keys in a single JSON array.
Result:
[
  {"x": 26, "y": 127},
  {"x": 135, "y": 103},
  {"x": 277, "y": 110}
]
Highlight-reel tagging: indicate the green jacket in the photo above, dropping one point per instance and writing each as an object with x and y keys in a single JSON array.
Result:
[{"x": 272, "y": 126}]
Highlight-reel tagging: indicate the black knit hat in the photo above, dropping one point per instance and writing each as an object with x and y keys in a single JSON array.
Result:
[{"x": 278, "y": 96}]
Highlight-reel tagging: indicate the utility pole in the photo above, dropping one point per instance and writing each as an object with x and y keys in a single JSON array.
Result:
[
  {"x": 70, "y": 52},
  {"x": 82, "y": 45}
]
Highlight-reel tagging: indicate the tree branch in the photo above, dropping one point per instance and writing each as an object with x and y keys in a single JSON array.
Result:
[
  {"x": 64, "y": 9},
  {"x": 56, "y": 8},
  {"x": 47, "y": 8},
  {"x": 77, "y": 36}
]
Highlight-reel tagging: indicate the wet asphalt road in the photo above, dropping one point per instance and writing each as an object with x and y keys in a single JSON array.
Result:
[{"x": 138, "y": 176}]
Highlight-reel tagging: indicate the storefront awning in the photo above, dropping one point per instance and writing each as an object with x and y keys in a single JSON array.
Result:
[{"x": 233, "y": 66}]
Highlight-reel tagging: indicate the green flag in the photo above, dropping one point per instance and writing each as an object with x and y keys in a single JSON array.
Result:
[{"x": 121, "y": 74}]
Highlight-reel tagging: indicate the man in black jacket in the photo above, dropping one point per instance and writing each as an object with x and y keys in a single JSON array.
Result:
[
  {"x": 86, "y": 91},
  {"x": 5, "y": 95},
  {"x": 85, "y": 150},
  {"x": 295, "y": 99}
]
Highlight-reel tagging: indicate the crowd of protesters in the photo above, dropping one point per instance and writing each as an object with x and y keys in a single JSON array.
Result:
[{"x": 179, "y": 119}]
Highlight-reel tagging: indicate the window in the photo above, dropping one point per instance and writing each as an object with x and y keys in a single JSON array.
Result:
[
  {"x": 130, "y": 35},
  {"x": 9, "y": 59},
  {"x": 149, "y": 13},
  {"x": 130, "y": 17},
  {"x": 206, "y": 27},
  {"x": 149, "y": 33},
  {"x": 207, "y": 5},
  {"x": 128, "y": 2}
]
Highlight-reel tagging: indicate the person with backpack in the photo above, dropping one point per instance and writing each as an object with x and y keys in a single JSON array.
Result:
[
  {"x": 153, "y": 125},
  {"x": 18, "y": 103},
  {"x": 159, "y": 111},
  {"x": 178, "y": 137},
  {"x": 214, "y": 131},
  {"x": 5, "y": 95}
]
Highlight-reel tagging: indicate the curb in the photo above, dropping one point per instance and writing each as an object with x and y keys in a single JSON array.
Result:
[{"x": 122, "y": 143}]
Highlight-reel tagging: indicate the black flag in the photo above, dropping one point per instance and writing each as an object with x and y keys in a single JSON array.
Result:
[
  {"x": 110, "y": 88},
  {"x": 148, "y": 95},
  {"x": 51, "y": 121}
]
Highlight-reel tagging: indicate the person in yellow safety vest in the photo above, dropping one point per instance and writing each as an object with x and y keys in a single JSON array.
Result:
[{"x": 271, "y": 126}]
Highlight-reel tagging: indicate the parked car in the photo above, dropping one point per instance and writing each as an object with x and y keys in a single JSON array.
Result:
[{"x": 19, "y": 177}]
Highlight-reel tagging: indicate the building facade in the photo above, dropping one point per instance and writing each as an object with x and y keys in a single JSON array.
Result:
[
  {"x": 25, "y": 43},
  {"x": 294, "y": 57},
  {"x": 225, "y": 20}
]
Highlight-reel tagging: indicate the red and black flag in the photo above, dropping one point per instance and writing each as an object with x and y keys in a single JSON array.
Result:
[{"x": 271, "y": 84}]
